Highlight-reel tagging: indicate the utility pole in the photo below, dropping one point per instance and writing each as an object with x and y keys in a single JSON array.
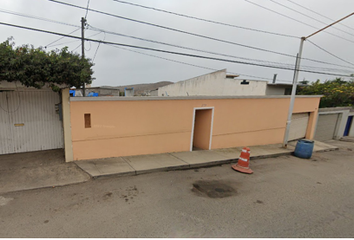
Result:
[
  {"x": 83, "y": 22},
  {"x": 296, "y": 75}
]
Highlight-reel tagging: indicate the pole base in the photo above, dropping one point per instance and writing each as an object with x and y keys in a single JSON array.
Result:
[{"x": 241, "y": 169}]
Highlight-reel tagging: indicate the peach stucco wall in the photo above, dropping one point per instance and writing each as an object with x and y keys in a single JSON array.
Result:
[{"x": 134, "y": 127}]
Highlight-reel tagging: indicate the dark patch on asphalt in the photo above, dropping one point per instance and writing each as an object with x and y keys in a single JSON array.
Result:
[
  {"x": 213, "y": 189},
  {"x": 349, "y": 149},
  {"x": 319, "y": 158},
  {"x": 259, "y": 201},
  {"x": 109, "y": 194},
  {"x": 196, "y": 170},
  {"x": 319, "y": 183},
  {"x": 46, "y": 221},
  {"x": 130, "y": 193}
]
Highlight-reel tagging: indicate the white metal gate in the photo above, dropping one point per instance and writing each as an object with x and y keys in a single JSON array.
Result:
[
  {"x": 29, "y": 121},
  {"x": 326, "y": 126},
  {"x": 298, "y": 126}
]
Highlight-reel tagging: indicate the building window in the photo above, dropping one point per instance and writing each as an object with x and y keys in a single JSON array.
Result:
[{"x": 87, "y": 117}]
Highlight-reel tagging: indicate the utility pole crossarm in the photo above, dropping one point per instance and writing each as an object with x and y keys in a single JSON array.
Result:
[
  {"x": 329, "y": 25},
  {"x": 296, "y": 75}
]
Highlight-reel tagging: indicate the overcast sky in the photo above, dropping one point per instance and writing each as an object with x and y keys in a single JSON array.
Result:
[{"x": 116, "y": 66}]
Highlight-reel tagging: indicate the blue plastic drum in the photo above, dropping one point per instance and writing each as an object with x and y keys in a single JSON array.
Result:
[{"x": 304, "y": 148}]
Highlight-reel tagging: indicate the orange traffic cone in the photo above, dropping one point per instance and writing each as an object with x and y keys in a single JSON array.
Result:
[{"x": 243, "y": 164}]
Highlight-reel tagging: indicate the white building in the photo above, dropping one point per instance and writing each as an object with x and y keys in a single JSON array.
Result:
[{"x": 219, "y": 83}]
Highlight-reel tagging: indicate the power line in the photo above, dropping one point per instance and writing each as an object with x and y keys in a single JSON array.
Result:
[
  {"x": 76, "y": 48},
  {"x": 319, "y": 14},
  {"x": 72, "y": 41},
  {"x": 89, "y": 48},
  {"x": 88, "y": 4},
  {"x": 295, "y": 20},
  {"x": 38, "y": 18},
  {"x": 310, "y": 17},
  {"x": 330, "y": 53},
  {"x": 94, "y": 56},
  {"x": 169, "y": 52},
  {"x": 209, "y": 52},
  {"x": 193, "y": 65},
  {"x": 206, "y": 20},
  {"x": 58, "y": 22},
  {"x": 60, "y": 38},
  {"x": 189, "y": 33},
  {"x": 173, "y": 29},
  {"x": 178, "y": 46}
]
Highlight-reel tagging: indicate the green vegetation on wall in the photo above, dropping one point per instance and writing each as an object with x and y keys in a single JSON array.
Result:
[
  {"x": 34, "y": 67},
  {"x": 336, "y": 93}
]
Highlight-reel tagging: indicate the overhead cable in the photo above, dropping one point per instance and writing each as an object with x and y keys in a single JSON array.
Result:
[
  {"x": 73, "y": 40},
  {"x": 296, "y": 20},
  {"x": 60, "y": 38},
  {"x": 173, "y": 29},
  {"x": 94, "y": 56},
  {"x": 303, "y": 14},
  {"x": 207, "y": 20},
  {"x": 214, "y": 53},
  {"x": 169, "y": 52},
  {"x": 330, "y": 53},
  {"x": 319, "y": 14},
  {"x": 193, "y": 65},
  {"x": 88, "y": 4},
  {"x": 36, "y": 17},
  {"x": 189, "y": 33}
]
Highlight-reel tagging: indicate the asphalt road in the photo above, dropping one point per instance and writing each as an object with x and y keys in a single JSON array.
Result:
[{"x": 285, "y": 197}]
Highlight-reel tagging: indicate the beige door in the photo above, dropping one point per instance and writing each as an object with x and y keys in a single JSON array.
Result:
[{"x": 202, "y": 129}]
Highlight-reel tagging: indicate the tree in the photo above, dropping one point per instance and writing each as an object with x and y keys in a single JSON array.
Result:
[
  {"x": 336, "y": 93},
  {"x": 34, "y": 67}
]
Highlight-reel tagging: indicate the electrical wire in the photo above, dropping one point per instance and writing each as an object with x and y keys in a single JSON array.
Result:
[
  {"x": 94, "y": 56},
  {"x": 318, "y": 14},
  {"x": 189, "y": 33},
  {"x": 193, "y": 65},
  {"x": 88, "y": 4},
  {"x": 310, "y": 17},
  {"x": 294, "y": 20},
  {"x": 72, "y": 41},
  {"x": 60, "y": 38},
  {"x": 173, "y": 29},
  {"x": 38, "y": 18},
  {"x": 49, "y": 20},
  {"x": 89, "y": 48},
  {"x": 330, "y": 53},
  {"x": 76, "y": 48},
  {"x": 206, "y": 20},
  {"x": 178, "y": 46},
  {"x": 169, "y": 52},
  {"x": 219, "y": 54}
]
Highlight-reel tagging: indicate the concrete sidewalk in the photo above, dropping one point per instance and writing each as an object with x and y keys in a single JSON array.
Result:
[
  {"x": 134, "y": 165},
  {"x": 32, "y": 170}
]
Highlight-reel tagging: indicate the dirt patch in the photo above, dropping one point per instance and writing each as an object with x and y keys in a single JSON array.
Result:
[
  {"x": 318, "y": 157},
  {"x": 213, "y": 189}
]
